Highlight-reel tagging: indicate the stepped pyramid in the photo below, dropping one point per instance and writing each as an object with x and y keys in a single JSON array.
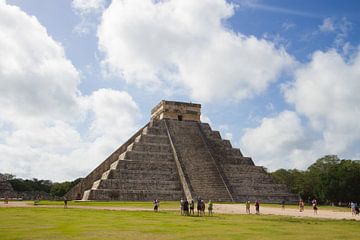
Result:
[{"x": 176, "y": 155}]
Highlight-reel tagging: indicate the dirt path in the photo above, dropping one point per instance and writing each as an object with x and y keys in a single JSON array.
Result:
[{"x": 218, "y": 208}]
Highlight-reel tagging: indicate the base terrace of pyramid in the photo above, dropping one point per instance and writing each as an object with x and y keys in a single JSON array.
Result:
[{"x": 176, "y": 155}]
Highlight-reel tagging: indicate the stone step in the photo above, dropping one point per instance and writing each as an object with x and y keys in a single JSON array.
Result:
[
  {"x": 241, "y": 179},
  {"x": 151, "y": 138},
  {"x": 243, "y": 168},
  {"x": 196, "y": 160},
  {"x": 139, "y": 184},
  {"x": 151, "y": 147},
  {"x": 86, "y": 195},
  {"x": 235, "y": 160},
  {"x": 146, "y": 165},
  {"x": 142, "y": 155},
  {"x": 96, "y": 184},
  {"x": 134, "y": 195},
  {"x": 158, "y": 174},
  {"x": 156, "y": 131}
]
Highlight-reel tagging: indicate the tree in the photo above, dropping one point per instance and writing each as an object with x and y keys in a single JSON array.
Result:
[
  {"x": 329, "y": 179},
  {"x": 6, "y": 176}
]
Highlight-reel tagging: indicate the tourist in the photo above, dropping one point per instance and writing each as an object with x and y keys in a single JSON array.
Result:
[
  {"x": 210, "y": 208},
  {"x": 199, "y": 206},
  {"x": 247, "y": 207},
  {"x": 186, "y": 207},
  {"x": 314, "y": 204},
  {"x": 156, "y": 205},
  {"x": 202, "y": 208},
  {"x": 37, "y": 200},
  {"x": 192, "y": 205},
  {"x": 354, "y": 208},
  {"x": 283, "y": 204},
  {"x": 65, "y": 202},
  {"x": 301, "y": 205},
  {"x": 257, "y": 207},
  {"x": 181, "y": 206}
]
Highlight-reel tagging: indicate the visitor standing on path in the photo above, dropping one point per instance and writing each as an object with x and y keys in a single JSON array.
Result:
[
  {"x": 181, "y": 206},
  {"x": 210, "y": 208},
  {"x": 192, "y": 205},
  {"x": 301, "y": 205},
  {"x": 65, "y": 202},
  {"x": 247, "y": 207},
  {"x": 314, "y": 204},
  {"x": 186, "y": 207},
  {"x": 283, "y": 204},
  {"x": 257, "y": 207},
  {"x": 199, "y": 205},
  {"x": 156, "y": 205},
  {"x": 353, "y": 208}
]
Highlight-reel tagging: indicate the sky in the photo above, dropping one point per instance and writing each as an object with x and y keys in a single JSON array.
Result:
[{"x": 280, "y": 79}]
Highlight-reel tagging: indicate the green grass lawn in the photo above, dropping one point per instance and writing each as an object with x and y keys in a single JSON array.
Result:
[{"x": 58, "y": 223}]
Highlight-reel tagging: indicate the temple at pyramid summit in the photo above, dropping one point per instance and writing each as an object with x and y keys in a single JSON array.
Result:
[{"x": 176, "y": 156}]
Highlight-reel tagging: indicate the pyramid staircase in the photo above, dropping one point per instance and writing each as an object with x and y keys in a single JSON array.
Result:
[
  {"x": 245, "y": 180},
  {"x": 168, "y": 159}
]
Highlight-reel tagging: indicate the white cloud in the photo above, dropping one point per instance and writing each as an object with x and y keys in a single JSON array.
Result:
[
  {"x": 327, "y": 25},
  {"x": 42, "y": 108},
  {"x": 89, "y": 12},
  {"x": 33, "y": 67},
  {"x": 183, "y": 43},
  {"x": 113, "y": 110},
  {"x": 286, "y": 26},
  {"x": 278, "y": 142},
  {"x": 326, "y": 92},
  {"x": 341, "y": 27},
  {"x": 88, "y": 6}
]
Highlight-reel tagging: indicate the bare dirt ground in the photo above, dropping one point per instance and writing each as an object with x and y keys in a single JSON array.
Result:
[{"x": 218, "y": 208}]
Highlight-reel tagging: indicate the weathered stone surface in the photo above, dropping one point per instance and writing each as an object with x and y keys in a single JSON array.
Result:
[{"x": 175, "y": 157}]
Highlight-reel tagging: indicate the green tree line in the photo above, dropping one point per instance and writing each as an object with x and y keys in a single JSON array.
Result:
[
  {"x": 329, "y": 180},
  {"x": 25, "y": 185}
]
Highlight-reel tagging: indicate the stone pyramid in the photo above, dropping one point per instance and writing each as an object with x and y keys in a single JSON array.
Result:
[{"x": 176, "y": 155}]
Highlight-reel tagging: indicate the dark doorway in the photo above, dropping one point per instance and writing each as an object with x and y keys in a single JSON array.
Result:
[{"x": 180, "y": 117}]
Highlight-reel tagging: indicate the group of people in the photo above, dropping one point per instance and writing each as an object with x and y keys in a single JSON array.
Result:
[
  {"x": 257, "y": 207},
  {"x": 313, "y": 203},
  {"x": 187, "y": 207}
]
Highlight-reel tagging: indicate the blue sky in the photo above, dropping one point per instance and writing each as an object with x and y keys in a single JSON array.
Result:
[{"x": 278, "y": 78}]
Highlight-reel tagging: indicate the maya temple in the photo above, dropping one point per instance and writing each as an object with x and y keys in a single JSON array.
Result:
[{"x": 176, "y": 155}]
